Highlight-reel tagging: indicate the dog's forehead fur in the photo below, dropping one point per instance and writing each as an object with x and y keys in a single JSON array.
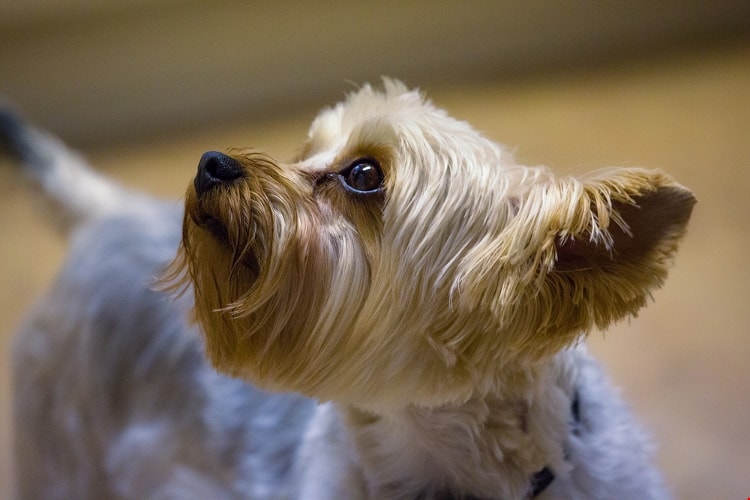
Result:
[
  {"x": 399, "y": 118},
  {"x": 332, "y": 128}
]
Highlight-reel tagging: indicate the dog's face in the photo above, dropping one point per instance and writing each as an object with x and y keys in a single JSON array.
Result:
[{"x": 404, "y": 258}]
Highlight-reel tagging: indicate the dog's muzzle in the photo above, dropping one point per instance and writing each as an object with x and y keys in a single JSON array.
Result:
[{"x": 215, "y": 169}]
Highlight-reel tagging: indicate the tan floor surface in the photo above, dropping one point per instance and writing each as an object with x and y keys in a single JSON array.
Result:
[{"x": 684, "y": 362}]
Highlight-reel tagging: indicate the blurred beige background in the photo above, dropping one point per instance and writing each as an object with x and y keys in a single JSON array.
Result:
[{"x": 145, "y": 87}]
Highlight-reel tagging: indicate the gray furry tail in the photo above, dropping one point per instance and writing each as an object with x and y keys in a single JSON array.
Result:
[{"x": 73, "y": 190}]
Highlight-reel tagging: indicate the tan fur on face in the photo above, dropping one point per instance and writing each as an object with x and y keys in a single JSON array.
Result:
[
  {"x": 464, "y": 268},
  {"x": 252, "y": 319}
]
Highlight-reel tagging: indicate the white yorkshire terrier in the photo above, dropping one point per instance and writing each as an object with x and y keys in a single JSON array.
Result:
[{"x": 413, "y": 301}]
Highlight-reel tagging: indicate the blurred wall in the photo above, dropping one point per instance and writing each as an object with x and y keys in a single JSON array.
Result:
[{"x": 110, "y": 70}]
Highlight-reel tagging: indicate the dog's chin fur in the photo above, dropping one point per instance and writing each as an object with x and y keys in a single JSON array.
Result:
[
  {"x": 464, "y": 270},
  {"x": 436, "y": 316}
]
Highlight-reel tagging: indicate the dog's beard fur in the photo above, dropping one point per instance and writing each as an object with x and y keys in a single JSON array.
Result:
[{"x": 463, "y": 269}]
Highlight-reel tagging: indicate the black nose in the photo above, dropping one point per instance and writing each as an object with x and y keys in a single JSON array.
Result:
[{"x": 216, "y": 168}]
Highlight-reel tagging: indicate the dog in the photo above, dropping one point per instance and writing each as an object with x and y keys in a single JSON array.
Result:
[{"x": 397, "y": 313}]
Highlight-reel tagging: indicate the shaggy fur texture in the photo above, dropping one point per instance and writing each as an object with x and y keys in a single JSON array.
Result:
[{"x": 404, "y": 272}]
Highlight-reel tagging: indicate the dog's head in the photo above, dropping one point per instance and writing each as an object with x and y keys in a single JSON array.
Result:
[{"x": 405, "y": 258}]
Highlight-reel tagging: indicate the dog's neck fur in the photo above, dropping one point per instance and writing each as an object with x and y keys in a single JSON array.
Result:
[{"x": 489, "y": 446}]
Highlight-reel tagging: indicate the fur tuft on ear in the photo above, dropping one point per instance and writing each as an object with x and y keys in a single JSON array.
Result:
[{"x": 580, "y": 253}]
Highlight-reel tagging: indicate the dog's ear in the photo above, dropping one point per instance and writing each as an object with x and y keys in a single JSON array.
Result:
[
  {"x": 580, "y": 253},
  {"x": 629, "y": 221}
]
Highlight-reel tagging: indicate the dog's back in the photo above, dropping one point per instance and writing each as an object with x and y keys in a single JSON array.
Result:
[{"x": 111, "y": 395}]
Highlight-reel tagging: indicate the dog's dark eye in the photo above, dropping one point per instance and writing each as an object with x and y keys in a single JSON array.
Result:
[{"x": 363, "y": 176}]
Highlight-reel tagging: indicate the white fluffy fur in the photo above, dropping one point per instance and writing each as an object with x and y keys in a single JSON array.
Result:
[{"x": 441, "y": 322}]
